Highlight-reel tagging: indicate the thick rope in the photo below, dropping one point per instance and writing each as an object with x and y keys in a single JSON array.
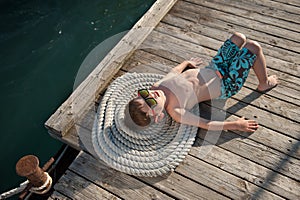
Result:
[
  {"x": 43, "y": 188},
  {"x": 14, "y": 191},
  {"x": 38, "y": 190},
  {"x": 151, "y": 152}
]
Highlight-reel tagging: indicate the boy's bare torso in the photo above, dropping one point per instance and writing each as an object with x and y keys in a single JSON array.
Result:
[{"x": 190, "y": 87}]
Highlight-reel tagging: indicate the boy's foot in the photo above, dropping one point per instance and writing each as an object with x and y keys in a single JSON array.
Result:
[{"x": 270, "y": 84}]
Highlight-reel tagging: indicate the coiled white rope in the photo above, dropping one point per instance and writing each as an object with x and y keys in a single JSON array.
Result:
[
  {"x": 38, "y": 190},
  {"x": 44, "y": 188},
  {"x": 14, "y": 191},
  {"x": 152, "y": 152}
]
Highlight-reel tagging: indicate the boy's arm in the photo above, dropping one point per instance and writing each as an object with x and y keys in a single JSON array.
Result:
[
  {"x": 174, "y": 72},
  {"x": 181, "y": 67},
  {"x": 192, "y": 63},
  {"x": 185, "y": 117}
]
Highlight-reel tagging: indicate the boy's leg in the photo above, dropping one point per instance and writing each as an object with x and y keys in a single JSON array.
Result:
[
  {"x": 228, "y": 51},
  {"x": 260, "y": 68},
  {"x": 223, "y": 60},
  {"x": 239, "y": 39}
]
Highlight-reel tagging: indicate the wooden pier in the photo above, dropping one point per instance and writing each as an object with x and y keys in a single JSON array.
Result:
[{"x": 262, "y": 165}]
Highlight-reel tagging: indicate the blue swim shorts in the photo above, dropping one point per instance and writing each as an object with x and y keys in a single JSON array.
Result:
[{"x": 234, "y": 65}]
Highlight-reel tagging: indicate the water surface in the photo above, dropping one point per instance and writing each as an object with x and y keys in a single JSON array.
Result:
[{"x": 42, "y": 45}]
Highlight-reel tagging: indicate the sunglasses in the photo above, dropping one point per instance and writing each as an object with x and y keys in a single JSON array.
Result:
[{"x": 144, "y": 93}]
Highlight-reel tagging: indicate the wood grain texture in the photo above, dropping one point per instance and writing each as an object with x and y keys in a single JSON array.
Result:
[
  {"x": 230, "y": 164},
  {"x": 76, "y": 187}
]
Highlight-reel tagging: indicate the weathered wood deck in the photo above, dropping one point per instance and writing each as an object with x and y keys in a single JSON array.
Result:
[{"x": 262, "y": 165}]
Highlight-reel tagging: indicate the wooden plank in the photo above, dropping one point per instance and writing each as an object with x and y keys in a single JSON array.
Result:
[
  {"x": 172, "y": 184},
  {"x": 208, "y": 13},
  {"x": 276, "y": 13},
  {"x": 276, "y": 106},
  {"x": 270, "y": 144},
  {"x": 247, "y": 170},
  {"x": 285, "y": 86},
  {"x": 183, "y": 188},
  {"x": 72, "y": 139},
  {"x": 76, "y": 187},
  {"x": 264, "y": 118},
  {"x": 174, "y": 48},
  {"x": 216, "y": 28},
  {"x": 218, "y": 31},
  {"x": 293, "y": 80},
  {"x": 249, "y": 10},
  {"x": 63, "y": 119},
  {"x": 271, "y": 139},
  {"x": 281, "y": 92},
  {"x": 255, "y": 151},
  {"x": 219, "y": 180},
  {"x": 204, "y": 45},
  {"x": 58, "y": 196},
  {"x": 290, "y": 6},
  {"x": 118, "y": 183},
  {"x": 290, "y": 2}
]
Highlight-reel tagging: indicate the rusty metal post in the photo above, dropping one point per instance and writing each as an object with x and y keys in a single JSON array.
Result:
[{"x": 28, "y": 166}]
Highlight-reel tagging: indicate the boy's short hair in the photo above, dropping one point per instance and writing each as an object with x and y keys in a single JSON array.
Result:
[{"x": 138, "y": 116}]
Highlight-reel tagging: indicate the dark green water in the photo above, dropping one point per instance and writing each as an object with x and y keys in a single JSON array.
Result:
[{"x": 42, "y": 45}]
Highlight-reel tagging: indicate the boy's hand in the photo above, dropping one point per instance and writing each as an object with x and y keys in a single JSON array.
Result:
[
  {"x": 194, "y": 62},
  {"x": 246, "y": 125}
]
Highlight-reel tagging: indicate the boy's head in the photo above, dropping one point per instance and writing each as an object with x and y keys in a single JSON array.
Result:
[
  {"x": 148, "y": 103},
  {"x": 138, "y": 115}
]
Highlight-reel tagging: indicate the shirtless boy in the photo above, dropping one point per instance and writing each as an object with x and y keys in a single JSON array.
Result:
[{"x": 181, "y": 89}]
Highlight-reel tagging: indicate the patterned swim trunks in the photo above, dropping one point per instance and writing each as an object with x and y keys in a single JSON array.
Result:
[{"x": 234, "y": 65}]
